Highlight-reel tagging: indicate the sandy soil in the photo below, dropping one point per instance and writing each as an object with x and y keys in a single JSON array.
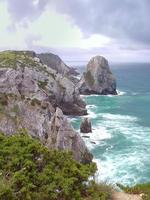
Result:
[{"x": 123, "y": 196}]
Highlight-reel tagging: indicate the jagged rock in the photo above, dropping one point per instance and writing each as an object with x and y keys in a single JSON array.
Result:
[
  {"x": 22, "y": 73},
  {"x": 62, "y": 136},
  {"x": 18, "y": 112},
  {"x": 98, "y": 79},
  {"x": 55, "y": 62},
  {"x": 86, "y": 126},
  {"x": 30, "y": 92}
]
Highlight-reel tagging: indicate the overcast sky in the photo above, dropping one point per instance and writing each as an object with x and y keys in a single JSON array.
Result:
[{"x": 78, "y": 29}]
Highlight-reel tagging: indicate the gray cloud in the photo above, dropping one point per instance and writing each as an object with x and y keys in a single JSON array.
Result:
[
  {"x": 21, "y": 10},
  {"x": 126, "y": 21},
  {"x": 119, "y": 19},
  {"x": 115, "y": 18}
]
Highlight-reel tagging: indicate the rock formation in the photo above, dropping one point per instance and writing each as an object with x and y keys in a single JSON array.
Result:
[
  {"x": 62, "y": 136},
  {"x": 22, "y": 73},
  {"x": 30, "y": 91},
  {"x": 86, "y": 126},
  {"x": 53, "y": 61},
  {"x": 98, "y": 79}
]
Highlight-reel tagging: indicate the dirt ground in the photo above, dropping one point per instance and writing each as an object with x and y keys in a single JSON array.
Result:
[{"x": 123, "y": 196}]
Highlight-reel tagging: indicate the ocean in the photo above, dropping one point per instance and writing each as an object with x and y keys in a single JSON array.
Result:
[{"x": 121, "y": 126}]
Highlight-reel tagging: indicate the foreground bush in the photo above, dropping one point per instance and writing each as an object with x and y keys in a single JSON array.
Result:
[{"x": 29, "y": 171}]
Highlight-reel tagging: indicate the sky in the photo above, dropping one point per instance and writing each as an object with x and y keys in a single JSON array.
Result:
[{"x": 78, "y": 29}]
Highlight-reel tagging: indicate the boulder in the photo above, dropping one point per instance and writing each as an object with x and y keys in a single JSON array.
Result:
[
  {"x": 86, "y": 126},
  {"x": 62, "y": 136},
  {"x": 98, "y": 78}
]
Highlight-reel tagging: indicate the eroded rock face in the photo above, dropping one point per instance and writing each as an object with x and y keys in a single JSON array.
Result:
[
  {"x": 62, "y": 136},
  {"x": 18, "y": 112},
  {"x": 53, "y": 61},
  {"x": 30, "y": 92},
  {"x": 22, "y": 73},
  {"x": 86, "y": 126},
  {"x": 98, "y": 79}
]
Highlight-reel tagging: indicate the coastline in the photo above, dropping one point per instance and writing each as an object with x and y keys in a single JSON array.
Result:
[{"x": 116, "y": 145}]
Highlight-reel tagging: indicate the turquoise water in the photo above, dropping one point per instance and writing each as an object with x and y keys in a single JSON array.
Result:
[{"x": 121, "y": 127}]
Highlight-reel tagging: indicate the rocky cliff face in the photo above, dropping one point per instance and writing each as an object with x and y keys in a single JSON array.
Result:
[
  {"x": 22, "y": 73},
  {"x": 98, "y": 79},
  {"x": 62, "y": 136},
  {"x": 53, "y": 61},
  {"x": 30, "y": 91}
]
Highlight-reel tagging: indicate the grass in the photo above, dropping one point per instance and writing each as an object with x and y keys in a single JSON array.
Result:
[
  {"x": 12, "y": 58},
  {"x": 137, "y": 189},
  {"x": 3, "y": 99},
  {"x": 35, "y": 102},
  {"x": 101, "y": 191}
]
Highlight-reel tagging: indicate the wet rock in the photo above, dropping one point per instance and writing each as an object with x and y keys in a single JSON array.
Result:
[{"x": 86, "y": 126}]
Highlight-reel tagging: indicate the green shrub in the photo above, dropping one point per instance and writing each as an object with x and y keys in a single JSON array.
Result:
[
  {"x": 35, "y": 102},
  {"x": 28, "y": 171},
  {"x": 3, "y": 99},
  {"x": 43, "y": 84},
  {"x": 99, "y": 191}
]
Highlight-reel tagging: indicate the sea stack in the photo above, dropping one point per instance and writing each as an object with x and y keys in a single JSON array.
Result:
[
  {"x": 86, "y": 126},
  {"x": 98, "y": 78}
]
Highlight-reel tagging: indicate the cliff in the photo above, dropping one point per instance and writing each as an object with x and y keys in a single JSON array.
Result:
[
  {"x": 55, "y": 62},
  {"x": 30, "y": 91}
]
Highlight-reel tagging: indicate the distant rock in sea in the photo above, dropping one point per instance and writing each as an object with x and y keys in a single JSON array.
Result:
[
  {"x": 98, "y": 78},
  {"x": 86, "y": 126}
]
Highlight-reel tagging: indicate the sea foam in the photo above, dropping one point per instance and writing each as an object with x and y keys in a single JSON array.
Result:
[
  {"x": 118, "y": 117},
  {"x": 121, "y": 93}
]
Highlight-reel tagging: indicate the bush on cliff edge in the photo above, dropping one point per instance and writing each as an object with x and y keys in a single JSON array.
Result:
[{"x": 28, "y": 170}]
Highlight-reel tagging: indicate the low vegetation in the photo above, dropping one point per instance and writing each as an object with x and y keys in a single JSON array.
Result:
[
  {"x": 29, "y": 171},
  {"x": 11, "y": 58},
  {"x": 35, "y": 102},
  {"x": 43, "y": 84},
  {"x": 15, "y": 59},
  {"x": 141, "y": 189}
]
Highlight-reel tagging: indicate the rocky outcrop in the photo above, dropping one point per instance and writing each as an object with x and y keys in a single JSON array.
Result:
[
  {"x": 53, "y": 61},
  {"x": 30, "y": 92},
  {"x": 21, "y": 112},
  {"x": 98, "y": 79},
  {"x": 86, "y": 126},
  {"x": 62, "y": 136},
  {"x": 22, "y": 73}
]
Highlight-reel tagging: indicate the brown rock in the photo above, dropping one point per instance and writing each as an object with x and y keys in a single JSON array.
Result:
[{"x": 86, "y": 126}]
